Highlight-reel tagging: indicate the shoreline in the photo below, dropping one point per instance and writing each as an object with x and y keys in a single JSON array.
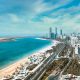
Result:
[{"x": 9, "y": 70}]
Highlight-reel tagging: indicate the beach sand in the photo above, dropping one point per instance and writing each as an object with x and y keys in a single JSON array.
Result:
[{"x": 12, "y": 68}]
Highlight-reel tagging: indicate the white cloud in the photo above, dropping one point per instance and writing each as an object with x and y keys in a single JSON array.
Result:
[
  {"x": 48, "y": 20},
  {"x": 15, "y": 19},
  {"x": 70, "y": 23},
  {"x": 67, "y": 22},
  {"x": 41, "y": 6},
  {"x": 63, "y": 19},
  {"x": 66, "y": 12}
]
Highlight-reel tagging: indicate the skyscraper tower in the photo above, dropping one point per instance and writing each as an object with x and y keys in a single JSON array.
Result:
[
  {"x": 50, "y": 32},
  {"x": 56, "y": 34},
  {"x": 61, "y": 32}
]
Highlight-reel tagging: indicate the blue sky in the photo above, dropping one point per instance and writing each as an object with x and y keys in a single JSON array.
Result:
[{"x": 19, "y": 17}]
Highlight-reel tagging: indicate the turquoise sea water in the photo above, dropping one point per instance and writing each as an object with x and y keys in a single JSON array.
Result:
[{"x": 12, "y": 51}]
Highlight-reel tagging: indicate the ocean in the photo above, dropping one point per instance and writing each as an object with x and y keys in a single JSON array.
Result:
[{"x": 11, "y": 51}]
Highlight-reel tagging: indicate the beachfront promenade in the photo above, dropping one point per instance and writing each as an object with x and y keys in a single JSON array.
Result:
[{"x": 41, "y": 69}]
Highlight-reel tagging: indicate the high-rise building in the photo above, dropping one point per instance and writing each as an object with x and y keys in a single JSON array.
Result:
[
  {"x": 61, "y": 33},
  {"x": 50, "y": 32},
  {"x": 52, "y": 35},
  {"x": 56, "y": 34}
]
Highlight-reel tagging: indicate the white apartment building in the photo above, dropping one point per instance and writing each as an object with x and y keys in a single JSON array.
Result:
[{"x": 75, "y": 42}]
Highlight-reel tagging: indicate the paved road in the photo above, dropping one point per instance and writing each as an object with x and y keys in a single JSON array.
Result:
[
  {"x": 59, "y": 75},
  {"x": 44, "y": 65},
  {"x": 70, "y": 61}
]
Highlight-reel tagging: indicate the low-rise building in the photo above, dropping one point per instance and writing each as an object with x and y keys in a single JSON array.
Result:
[{"x": 70, "y": 77}]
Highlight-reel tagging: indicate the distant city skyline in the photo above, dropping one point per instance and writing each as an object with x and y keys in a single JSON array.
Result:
[{"x": 35, "y": 17}]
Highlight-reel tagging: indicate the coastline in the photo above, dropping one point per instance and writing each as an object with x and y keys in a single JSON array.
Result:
[{"x": 12, "y": 68}]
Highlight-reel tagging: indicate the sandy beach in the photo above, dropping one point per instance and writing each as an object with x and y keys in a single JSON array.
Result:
[{"x": 12, "y": 68}]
